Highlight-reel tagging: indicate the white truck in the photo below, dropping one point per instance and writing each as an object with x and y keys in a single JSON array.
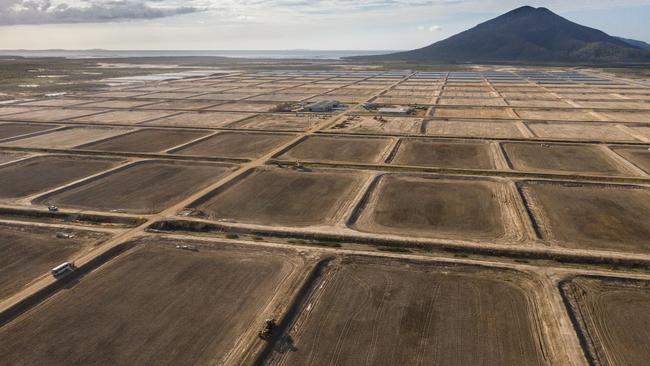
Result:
[{"x": 63, "y": 269}]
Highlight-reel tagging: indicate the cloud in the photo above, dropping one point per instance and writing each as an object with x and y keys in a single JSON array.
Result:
[
  {"x": 317, "y": 7},
  {"x": 243, "y": 17},
  {"x": 432, "y": 28},
  {"x": 338, "y": 6},
  {"x": 13, "y": 12}
]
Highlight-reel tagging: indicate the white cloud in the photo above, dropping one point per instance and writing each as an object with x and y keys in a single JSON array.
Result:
[
  {"x": 266, "y": 24},
  {"x": 431, "y": 28},
  {"x": 245, "y": 18},
  {"x": 99, "y": 11},
  {"x": 14, "y": 12}
]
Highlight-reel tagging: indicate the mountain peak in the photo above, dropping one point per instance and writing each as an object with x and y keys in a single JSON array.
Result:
[
  {"x": 527, "y": 34},
  {"x": 526, "y": 11},
  {"x": 523, "y": 9}
]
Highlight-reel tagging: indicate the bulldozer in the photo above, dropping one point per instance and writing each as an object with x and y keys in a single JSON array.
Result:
[
  {"x": 299, "y": 167},
  {"x": 269, "y": 325}
]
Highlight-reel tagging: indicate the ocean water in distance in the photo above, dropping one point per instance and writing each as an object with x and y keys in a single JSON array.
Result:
[{"x": 261, "y": 54}]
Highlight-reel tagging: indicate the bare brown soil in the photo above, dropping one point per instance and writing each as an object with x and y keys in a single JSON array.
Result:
[
  {"x": 118, "y": 94},
  {"x": 643, "y": 131},
  {"x": 628, "y": 116},
  {"x": 189, "y": 105},
  {"x": 261, "y": 89},
  {"x": 153, "y": 305},
  {"x": 123, "y": 117},
  {"x": 472, "y": 101},
  {"x": 338, "y": 149},
  {"x": 146, "y": 187},
  {"x": 8, "y": 130},
  {"x": 613, "y": 104},
  {"x": 639, "y": 156},
  {"x": 441, "y": 208},
  {"x": 445, "y": 154},
  {"x": 614, "y": 318},
  {"x": 396, "y": 313},
  {"x": 556, "y": 114},
  {"x": 146, "y": 140},
  {"x": 500, "y": 113},
  {"x": 282, "y": 122},
  {"x": 281, "y": 97},
  {"x": 284, "y": 197},
  {"x": 39, "y": 174},
  {"x": 170, "y": 95},
  {"x": 555, "y": 103},
  {"x": 368, "y": 124},
  {"x": 245, "y": 107},
  {"x": 7, "y": 157},
  {"x": 235, "y": 145},
  {"x": 462, "y": 93},
  {"x": 591, "y": 216},
  {"x": 58, "y": 102},
  {"x": 119, "y": 104},
  {"x": 580, "y": 131},
  {"x": 67, "y": 138},
  {"x": 200, "y": 119},
  {"x": 29, "y": 252},
  {"x": 410, "y": 93},
  {"x": 14, "y": 109},
  {"x": 225, "y": 96},
  {"x": 530, "y": 96},
  {"x": 564, "y": 158},
  {"x": 493, "y": 129},
  {"x": 388, "y": 99},
  {"x": 50, "y": 115},
  {"x": 587, "y": 96}
]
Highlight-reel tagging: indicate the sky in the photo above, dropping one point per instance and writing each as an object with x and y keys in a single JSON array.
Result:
[{"x": 280, "y": 24}]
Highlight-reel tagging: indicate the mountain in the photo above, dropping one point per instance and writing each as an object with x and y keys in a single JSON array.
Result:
[
  {"x": 639, "y": 44},
  {"x": 526, "y": 34}
]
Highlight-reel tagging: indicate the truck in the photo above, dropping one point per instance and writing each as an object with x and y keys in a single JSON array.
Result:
[{"x": 63, "y": 269}]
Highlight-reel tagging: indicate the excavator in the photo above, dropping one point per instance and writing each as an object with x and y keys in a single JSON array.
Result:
[{"x": 269, "y": 325}]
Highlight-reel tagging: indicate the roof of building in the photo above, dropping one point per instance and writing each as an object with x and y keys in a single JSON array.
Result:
[
  {"x": 323, "y": 104},
  {"x": 394, "y": 109}
]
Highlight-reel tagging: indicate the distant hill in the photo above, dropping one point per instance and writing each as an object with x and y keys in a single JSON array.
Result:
[
  {"x": 634, "y": 42},
  {"x": 526, "y": 35}
]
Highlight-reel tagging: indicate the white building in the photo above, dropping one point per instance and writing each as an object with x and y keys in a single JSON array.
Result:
[{"x": 395, "y": 110}]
